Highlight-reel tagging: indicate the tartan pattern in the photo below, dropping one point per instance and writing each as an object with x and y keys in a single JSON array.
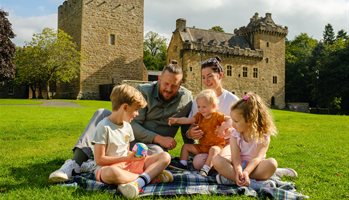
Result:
[{"x": 191, "y": 183}]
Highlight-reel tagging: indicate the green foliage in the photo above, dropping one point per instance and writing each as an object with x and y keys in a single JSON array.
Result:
[
  {"x": 32, "y": 146},
  {"x": 155, "y": 51},
  {"x": 298, "y": 69},
  {"x": 49, "y": 58},
  {"x": 342, "y": 35},
  {"x": 328, "y": 35},
  {"x": 7, "y": 48},
  {"x": 217, "y": 29},
  {"x": 317, "y": 72}
]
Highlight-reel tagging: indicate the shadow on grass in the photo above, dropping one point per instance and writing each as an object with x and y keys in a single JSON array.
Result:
[{"x": 30, "y": 176}]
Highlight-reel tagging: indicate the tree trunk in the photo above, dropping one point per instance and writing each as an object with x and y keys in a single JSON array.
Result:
[
  {"x": 33, "y": 88},
  {"x": 40, "y": 91},
  {"x": 48, "y": 89}
]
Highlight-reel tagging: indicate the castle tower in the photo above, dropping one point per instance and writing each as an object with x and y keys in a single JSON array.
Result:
[
  {"x": 262, "y": 33},
  {"x": 109, "y": 34}
]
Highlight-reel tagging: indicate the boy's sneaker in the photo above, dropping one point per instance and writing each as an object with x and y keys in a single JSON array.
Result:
[
  {"x": 280, "y": 172},
  {"x": 88, "y": 166},
  {"x": 224, "y": 181},
  {"x": 165, "y": 177},
  {"x": 65, "y": 172},
  {"x": 129, "y": 190},
  {"x": 177, "y": 165}
]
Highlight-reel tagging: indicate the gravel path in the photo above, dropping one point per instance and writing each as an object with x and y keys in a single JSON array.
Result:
[{"x": 58, "y": 103}]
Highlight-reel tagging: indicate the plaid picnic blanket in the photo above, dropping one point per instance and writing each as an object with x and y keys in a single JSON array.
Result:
[{"x": 188, "y": 183}]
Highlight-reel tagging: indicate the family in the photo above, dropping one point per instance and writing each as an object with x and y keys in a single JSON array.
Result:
[{"x": 224, "y": 133}]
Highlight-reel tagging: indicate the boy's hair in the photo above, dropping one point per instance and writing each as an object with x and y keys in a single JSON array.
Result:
[
  {"x": 126, "y": 94},
  {"x": 173, "y": 67},
  {"x": 209, "y": 95},
  {"x": 256, "y": 113}
]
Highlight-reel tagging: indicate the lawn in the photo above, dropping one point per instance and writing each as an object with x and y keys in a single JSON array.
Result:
[{"x": 35, "y": 140}]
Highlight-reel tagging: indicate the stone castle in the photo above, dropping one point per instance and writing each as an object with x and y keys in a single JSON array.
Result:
[
  {"x": 109, "y": 34},
  {"x": 253, "y": 57}
]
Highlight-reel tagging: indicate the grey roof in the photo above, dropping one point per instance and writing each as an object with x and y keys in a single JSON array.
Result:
[{"x": 213, "y": 38}]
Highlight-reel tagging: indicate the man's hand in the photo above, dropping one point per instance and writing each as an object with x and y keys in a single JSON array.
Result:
[
  {"x": 195, "y": 132},
  {"x": 165, "y": 142}
]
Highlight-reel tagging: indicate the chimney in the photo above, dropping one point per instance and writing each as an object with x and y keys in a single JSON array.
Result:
[{"x": 180, "y": 24}]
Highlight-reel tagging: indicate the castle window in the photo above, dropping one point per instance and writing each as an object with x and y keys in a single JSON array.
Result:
[
  {"x": 255, "y": 72},
  {"x": 229, "y": 70},
  {"x": 191, "y": 69},
  {"x": 267, "y": 44},
  {"x": 267, "y": 60},
  {"x": 244, "y": 72},
  {"x": 275, "y": 79},
  {"x": 112, "y": 39}
]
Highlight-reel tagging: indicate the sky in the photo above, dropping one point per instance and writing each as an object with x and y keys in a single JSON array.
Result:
[{"x": 300, "y": 16}]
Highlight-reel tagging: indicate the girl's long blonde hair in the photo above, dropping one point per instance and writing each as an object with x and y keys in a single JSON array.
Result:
[{"x": 256, "y": 113}]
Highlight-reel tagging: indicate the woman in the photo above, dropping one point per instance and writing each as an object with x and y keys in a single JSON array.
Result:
[{"x": 212, "y": 75}]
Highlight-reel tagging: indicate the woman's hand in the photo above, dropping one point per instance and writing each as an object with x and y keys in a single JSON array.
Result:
[{"x": 195, "y": 132}]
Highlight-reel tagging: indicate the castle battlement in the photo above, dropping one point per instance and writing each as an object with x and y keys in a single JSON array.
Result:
[
  {"x": 264, "y": 25},
  {"x": 223, "y": 49}
]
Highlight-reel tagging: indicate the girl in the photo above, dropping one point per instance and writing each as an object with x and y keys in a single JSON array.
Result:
[
  {"x": 249, "y": 142},
  {"x": 212, "y": 123}
]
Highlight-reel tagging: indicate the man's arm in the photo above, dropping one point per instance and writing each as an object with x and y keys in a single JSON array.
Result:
[{"x": 142, "y": 134}]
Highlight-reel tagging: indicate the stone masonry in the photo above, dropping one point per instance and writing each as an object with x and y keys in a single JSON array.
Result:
[
  {"x": 109, "y": 34},
  {"x": 253, "y": 57}
]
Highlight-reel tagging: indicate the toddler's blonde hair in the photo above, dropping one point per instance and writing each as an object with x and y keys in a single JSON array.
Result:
[{"x": 210, "y": 96}]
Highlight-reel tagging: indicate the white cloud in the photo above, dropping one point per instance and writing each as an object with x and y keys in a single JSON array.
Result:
[
  {"x": 25, "y": 27},
  {"x": 299, "y": 16}
]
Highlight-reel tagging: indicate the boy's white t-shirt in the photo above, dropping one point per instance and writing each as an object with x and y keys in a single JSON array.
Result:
[
  {"x": 226, "y": 99},
  {"x": 116, "y": 138}
]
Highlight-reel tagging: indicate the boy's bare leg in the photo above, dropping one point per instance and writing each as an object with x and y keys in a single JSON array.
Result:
[{"x": 156, "y": 163}]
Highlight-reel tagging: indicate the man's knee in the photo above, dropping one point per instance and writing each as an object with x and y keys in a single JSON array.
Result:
[{"x": 154, "y": 149}]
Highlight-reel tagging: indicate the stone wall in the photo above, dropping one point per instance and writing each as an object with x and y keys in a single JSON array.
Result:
[{"x": 93, "y": 24}]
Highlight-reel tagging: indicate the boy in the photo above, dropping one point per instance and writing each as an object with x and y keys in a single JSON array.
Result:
[{"x": 115, "y": 163}]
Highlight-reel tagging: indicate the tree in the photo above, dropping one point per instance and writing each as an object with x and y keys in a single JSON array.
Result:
[
  {"x": 342, "y": 35},
  {"x": 155, "y": 51},
  {"x": 7, "y": 48},
  {"x": 328, "y": 34},
  {"x": 217, "y": 29},
  {"x": 298, "y": 69},
  {"x": 49, "y": 58}
]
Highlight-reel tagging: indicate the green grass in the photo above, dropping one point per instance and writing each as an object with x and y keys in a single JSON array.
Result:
[{"x": 35, "y": 140}]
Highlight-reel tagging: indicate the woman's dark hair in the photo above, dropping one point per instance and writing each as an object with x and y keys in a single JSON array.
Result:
[{"x": 213, "y": 63}]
